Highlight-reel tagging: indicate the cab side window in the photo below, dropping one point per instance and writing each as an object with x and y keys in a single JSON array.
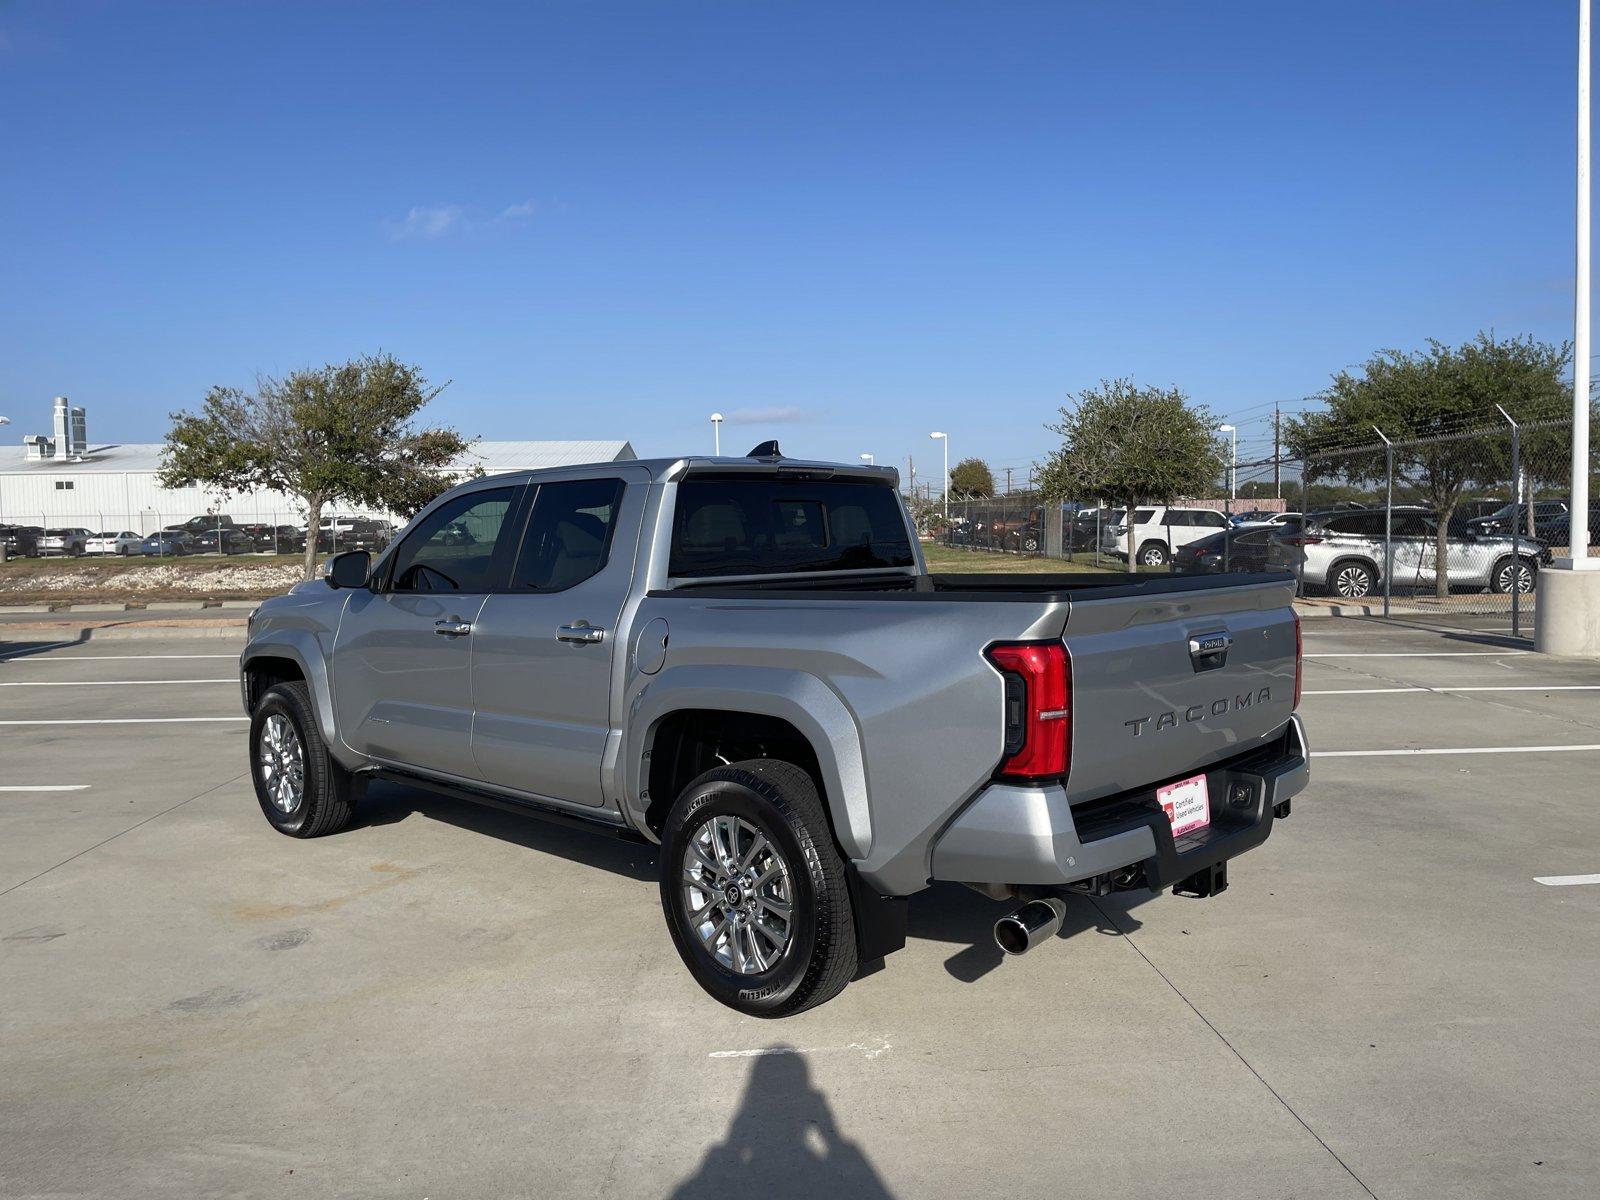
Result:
[
  {"x": 569, "y": 534},
  {"x": 459, "y": 547}
]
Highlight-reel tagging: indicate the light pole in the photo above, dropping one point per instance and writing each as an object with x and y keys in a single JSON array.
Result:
[
  {"x": 716, "y": 432},
  {"x": 1579, "y": 532},
  {"x": 1568, "y": 593},
  {"x": 1233, "y": 465},
  {"x": 945, "y": 438},
  {"x": 869, "y": 460}
]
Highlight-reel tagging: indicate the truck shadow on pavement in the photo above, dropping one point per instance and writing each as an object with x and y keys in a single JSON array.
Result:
[
  {"x": 945, "y": 912},
  {"x": 388, "y": 803},
  {"x": 783, "y": 1141},
  {"x": 952, "y": 912}
]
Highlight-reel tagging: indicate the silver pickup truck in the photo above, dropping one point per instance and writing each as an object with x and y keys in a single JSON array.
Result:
[{"x": 745, "y": 661}]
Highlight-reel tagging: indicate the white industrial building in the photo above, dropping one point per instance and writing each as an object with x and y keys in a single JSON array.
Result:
[{"x": 65, "y": 480}]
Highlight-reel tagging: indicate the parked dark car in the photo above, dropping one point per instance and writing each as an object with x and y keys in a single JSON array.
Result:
[
  {"x": 196, "y": 525},
  {"x": 226, "y": 539},
  {"x": 281, "y": 539},
  {"x": 21, "y": 540},
  {"x": 1232, "y": 550},
  {"x": 169, "y": 543},
  {"x": 364, "y": 533},
  {"x": 1552, "y": 521}
]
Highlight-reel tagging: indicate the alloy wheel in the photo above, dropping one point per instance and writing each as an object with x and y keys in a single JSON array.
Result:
[
  {"x": 1353, "y": 583},
  {"x": 737, "y": 894},
  {"x": 283, "y": 763},
  {"x": 1516, "y": 577}
]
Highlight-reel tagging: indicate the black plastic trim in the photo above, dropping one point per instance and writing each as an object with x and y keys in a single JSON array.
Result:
[{"x": 530, "y": 808}]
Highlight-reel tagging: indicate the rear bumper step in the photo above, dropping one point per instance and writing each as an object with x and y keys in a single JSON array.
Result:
[{"x": 1032, "y": 838}]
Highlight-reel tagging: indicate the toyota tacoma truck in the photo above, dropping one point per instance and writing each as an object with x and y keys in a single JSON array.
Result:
[{"x": 746, "y": 662}]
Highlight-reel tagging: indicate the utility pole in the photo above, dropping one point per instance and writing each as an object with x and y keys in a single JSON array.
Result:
[
  {"x": 911, "y": 476},
  {"x": 1277, "y": 449},
  {"x": 1008, "y": 481}
]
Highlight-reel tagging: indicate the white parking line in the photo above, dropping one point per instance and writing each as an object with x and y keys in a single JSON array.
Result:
[
  {"x": 61, "y": 658},
  {"x": 1422, "y": 654},
  {"x": 1452, "y": 750},
  {"x": 1565, "y": 880},
  {"x": 105, "y": 682},
  {"x": 45, "y": 787},
  {"x": 1499, "y": 687},
  {"x": 126, "y": 721}
]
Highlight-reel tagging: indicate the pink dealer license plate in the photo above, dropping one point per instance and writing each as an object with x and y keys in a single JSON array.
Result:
[{"x": 1187, "y": 804}]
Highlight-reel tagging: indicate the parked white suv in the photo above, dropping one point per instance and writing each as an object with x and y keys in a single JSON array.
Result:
[{"x": 1158, "y": 532}]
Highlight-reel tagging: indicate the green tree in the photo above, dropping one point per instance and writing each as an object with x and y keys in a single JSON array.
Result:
[
  {"x": 1123, "y": 445},
  {"x": 971, "y": 479},
  {"x": 1419, "y": 399},
  {"x": 340, "y": 432}
]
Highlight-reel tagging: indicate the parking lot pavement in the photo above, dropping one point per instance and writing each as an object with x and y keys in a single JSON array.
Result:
[{"x": 454, "y": 1001}]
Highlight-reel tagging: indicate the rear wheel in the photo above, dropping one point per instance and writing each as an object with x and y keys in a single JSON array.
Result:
[
  {"x": 1351, "y": 580},
  {"x": 1153, "y": 554},
  {"x": 302, "y": 791},
  {"x": 754, "y": 889},
  {"x": 1512, "y": 575}
]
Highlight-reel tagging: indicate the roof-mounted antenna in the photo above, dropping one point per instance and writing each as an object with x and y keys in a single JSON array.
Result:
[{"x": 766, "y": 450}]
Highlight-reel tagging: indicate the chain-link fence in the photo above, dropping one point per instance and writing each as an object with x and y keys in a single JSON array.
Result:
[
  {"x": 1197, "y": 535},
  {"x": 153, "y": 534},
  {"x": 1459, "y": 523}
]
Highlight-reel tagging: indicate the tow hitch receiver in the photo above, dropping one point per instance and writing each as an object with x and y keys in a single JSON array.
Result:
[{"x": 1205, "y": 882}]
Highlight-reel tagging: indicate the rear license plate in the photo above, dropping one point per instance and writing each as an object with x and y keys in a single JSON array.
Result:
[{"x": 1187, "y": 804}]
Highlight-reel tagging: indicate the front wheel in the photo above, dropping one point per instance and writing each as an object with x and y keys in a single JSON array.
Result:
[
  {"x": 302, "y": 791},
  {"x": 1512, "y": 575},
  {"x": 754, "y": 890}
]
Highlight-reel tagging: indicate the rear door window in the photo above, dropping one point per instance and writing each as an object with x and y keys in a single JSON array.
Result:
[
  {"x": 569, "y": 534},
  {"x": 732, "y": 525}
]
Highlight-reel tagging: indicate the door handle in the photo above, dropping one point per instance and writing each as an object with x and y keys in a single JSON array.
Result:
[
  {"x": 580, "y": 631},
  {"x": 454, "y": 627}
]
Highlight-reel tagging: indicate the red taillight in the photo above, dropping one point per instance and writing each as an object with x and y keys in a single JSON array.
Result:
[
  {"x": 1301, "y": 541},
  {"x": 1038, "y": 703},
  {"x": 1299, "y": 658}
]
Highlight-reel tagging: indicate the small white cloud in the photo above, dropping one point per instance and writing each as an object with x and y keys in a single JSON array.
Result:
[
  {"x": 517, "y": 212},
  {"x": 426, "y": 222},
  {"x": 768, "y": 416}
]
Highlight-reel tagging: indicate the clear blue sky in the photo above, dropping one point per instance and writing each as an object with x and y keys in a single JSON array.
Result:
[{"x": 843, "y": 224}]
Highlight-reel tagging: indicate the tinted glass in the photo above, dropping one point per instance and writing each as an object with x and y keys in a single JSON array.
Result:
[
  {"x": 1211, "y": 519},
  {"x": 1143, "y": 516},
  {"x": 1362, "y": 524},
  {"x": 569, "y": 534},
  {"x": 732, "y": 526},
  {"x": 454, "y": 548}
]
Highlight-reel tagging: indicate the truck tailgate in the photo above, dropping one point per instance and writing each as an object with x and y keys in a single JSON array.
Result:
[{"x": 1163, "y": 686}]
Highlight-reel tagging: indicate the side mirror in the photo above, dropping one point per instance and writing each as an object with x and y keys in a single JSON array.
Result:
[{"x": 349, "y": 570}]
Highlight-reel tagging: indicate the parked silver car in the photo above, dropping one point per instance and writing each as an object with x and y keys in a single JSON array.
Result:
[
  {"x": 1343, "y": 554},
  {"x": 72, "y": 541}
]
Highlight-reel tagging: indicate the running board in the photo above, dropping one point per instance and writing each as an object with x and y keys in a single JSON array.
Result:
[{"x": 602, "y": 823}]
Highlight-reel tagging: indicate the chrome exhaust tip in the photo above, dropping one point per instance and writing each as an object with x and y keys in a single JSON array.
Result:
[{"x": 1035, "y": 922}]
